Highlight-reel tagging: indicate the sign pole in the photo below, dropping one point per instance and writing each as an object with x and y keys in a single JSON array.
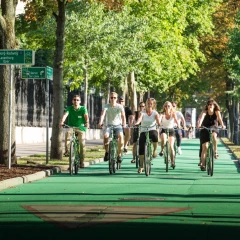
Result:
[
  {"x": 10, "y": 119},
  {"x": 47, "y": 118}
]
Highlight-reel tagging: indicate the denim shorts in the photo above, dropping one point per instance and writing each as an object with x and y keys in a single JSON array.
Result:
[{"x": 118, "y": 129}]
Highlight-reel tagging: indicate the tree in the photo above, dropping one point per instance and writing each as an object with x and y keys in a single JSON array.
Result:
[{"x": 7, "y": 41}]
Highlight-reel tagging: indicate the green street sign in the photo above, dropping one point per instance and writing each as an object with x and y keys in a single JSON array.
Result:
[
  {"x": 17, "y": 57},
  {"x": 49, "y": 73},
  {"x": 34, "y": 72}
]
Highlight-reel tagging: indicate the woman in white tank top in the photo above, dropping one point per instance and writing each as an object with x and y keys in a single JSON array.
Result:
[
  {"x": 168, "y": 119},
  {"x": 148, "y": 119}
]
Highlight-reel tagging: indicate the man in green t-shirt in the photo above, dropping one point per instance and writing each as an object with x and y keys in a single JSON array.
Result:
[{"x": 77, "y": 117}]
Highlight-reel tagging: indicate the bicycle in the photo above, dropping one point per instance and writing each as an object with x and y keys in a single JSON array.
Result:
[
  {"x": 137, "y": 145},
  {"x": 167, "y": 151},
  {"x": 210, "y": 152},
  {"x": 147, "y": 152},
  {"x": 74, "y": 156},
  {"x": 113, "y": 165}
]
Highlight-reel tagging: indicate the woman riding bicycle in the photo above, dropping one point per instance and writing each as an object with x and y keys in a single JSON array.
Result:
[
  {"x": 148, "y": 119},
  {"x": 168, "y": 119},
  {"x": 209, "y": 117}
]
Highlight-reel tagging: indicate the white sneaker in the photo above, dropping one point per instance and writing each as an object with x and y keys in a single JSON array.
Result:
[{"x": 179, "y": 151}]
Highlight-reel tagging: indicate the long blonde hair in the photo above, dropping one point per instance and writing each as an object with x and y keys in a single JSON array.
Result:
[
  {"x": 154, "y": 106},
  {"x": 172, "y": 110}
]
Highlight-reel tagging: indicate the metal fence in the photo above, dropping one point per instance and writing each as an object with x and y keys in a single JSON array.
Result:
[{"x": 30, "y": 103}]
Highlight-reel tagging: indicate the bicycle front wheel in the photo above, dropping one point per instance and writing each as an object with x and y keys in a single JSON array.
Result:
[
  {"x": 166, "y": 155},
  {"x": 147, "y": 160},
  {"x": 112, "y": 158},
  {"x": 71, "y": 158},
  {"x": 77, "y": 159},
  {"x": 210, "y": 160}
]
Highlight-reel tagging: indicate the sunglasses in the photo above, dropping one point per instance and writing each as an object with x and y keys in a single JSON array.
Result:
[
  {"x": 76, "y": 100},
  {"x": 113, "y": 97}
]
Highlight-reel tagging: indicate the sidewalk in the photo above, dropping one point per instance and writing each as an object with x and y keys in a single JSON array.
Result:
[{"x": 40, "y": 148}]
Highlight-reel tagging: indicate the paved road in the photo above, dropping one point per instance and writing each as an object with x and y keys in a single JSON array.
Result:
[{"x": 184, "y": 203}]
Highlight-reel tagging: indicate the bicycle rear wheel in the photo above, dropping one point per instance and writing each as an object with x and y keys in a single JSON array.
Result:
[
  {"x": 166, "y": 155},
  {"x": 147, "y": 160},
  {"x": 71, "y": 158}
]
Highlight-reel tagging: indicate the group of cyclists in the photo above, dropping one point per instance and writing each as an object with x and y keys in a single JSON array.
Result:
[{"x": 114, "y": 114}]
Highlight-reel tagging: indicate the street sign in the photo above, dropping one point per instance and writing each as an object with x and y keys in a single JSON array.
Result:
[
  {"x": 17, "y": 57},
  {"x": 34, "y": 72},
  {"x": 49, "y": 73}
]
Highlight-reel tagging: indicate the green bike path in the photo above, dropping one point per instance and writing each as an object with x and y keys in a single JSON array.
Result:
[{"x": 183, "y": 203}]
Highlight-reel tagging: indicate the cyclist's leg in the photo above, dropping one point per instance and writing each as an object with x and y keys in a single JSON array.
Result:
[
  {"x": 142, "y": 141},
  {"x": 105, "y": 142},
  {"x": 204, "y": 154},
  {"x": 67, "y": 141},
  {"x": 134, "y": 146},
  {"x": 214, "y": 139},
  {"x": 119, "y": 133},
  {"x": 153, "y": 135},
  {"x": 163, "y": 138},
  {"x": 171, "y": 143},
  {"x": 82, "y": 145},
  {"x": 127, "y": 136}
]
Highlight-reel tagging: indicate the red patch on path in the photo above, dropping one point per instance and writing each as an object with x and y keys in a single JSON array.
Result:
[{"x": 76, "y": 216}]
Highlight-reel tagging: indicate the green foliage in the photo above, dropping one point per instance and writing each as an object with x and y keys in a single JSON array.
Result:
[{"x": 232, "y": 58}]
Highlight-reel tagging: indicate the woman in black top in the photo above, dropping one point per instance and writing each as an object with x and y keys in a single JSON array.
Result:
[{"x": 209, "y": 117}]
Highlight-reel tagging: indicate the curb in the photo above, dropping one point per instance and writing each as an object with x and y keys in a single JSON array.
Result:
[
  {"x": 86, "y": 164},
  {"x": 13, "y": 182},
  {"x": 234, "y": 155}
]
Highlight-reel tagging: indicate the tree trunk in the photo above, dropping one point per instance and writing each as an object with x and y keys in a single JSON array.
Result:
[
  {"x": 85, "y": 84},
  {"x": 236, "y": 116},
  {"x": 58, "y": 101},
  {"x": 7, "y": 41},
  {"x": 132, "y": 91}
]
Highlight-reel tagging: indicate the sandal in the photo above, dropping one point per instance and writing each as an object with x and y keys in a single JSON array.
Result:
[
  {"x": 161, "y": 153},
  {"x": 140, "y": 170},
  {"x": 133, "y": 161},
  {"x": 203, "y": 168},
  {"x": 216, "y": 155}
]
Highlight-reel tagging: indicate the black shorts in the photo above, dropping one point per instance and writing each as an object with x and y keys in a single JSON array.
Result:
[
  {"x": 135, "y": 134},
  {"x": 171, "y": 132},
  {"x": 204, "y": 135}
]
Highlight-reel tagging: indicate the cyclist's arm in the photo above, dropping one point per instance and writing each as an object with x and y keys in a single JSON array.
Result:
[
  {"x": 220, "y": 119},
  {"x": 139, "y": 119},
  {"x": 123, "y": 119},
  {"x": 101, "y": 118},
  {"x": 183, "y": 122},
  {"x": 63, "y": 119},
  {"x": 200, "y": 119},
  {"x": 157, "y": 117},
  {"x": 176, "y": 121},
  {"x": 86, "y": 120}
]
